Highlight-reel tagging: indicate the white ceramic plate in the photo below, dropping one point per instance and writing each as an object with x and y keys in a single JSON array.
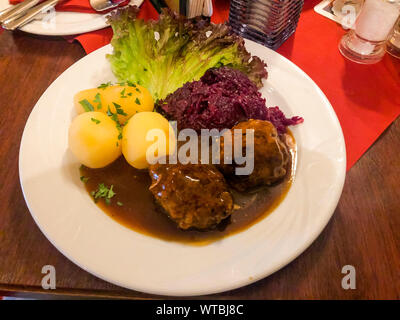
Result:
[
  {"x": 83, "y": 233},
  {"x": 63, "y": 23}
]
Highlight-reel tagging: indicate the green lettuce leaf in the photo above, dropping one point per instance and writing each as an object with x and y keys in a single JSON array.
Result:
[{"x": 165, "y": 54}]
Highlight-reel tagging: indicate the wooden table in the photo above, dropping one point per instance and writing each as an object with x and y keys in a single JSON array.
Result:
[{"x": 364, "y": 231}]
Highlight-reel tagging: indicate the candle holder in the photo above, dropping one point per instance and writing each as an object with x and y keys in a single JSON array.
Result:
[
  {"x": 269, "y": 22},
  {"x": 366, "y": 43}
]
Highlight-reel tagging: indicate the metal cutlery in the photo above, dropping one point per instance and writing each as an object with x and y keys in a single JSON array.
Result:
[
  {"x": 3, "y": 12},
  {"x": 101, "y": 5},
  {"x": 28, "y": 15},
  {"x": 17, "y": 10}
]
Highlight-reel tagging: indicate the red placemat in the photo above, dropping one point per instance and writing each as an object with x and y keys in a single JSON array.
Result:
[{"x": 366, "y": 98}]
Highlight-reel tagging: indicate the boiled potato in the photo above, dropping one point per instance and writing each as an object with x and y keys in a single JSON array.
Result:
[
  {"x": 93, "y": 139},
  {"x": 147, "y": 134},
  {"x": 125, "y": 100}
]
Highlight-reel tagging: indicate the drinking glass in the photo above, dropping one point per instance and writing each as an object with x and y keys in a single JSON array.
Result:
[
  {"x": 269, "y": 22},
  {"x": 393, "y": 44},
  {"x": 366, "y": 43}
]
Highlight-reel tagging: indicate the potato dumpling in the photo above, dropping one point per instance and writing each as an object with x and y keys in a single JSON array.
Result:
[
  {"x": 93, "y": 139},
  {"x": 124, "y": 100},
  {"x": 147, "y": 134}
]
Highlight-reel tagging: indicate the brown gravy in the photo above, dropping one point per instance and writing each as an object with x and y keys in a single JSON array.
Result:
[{"x": 139, "y": 212}]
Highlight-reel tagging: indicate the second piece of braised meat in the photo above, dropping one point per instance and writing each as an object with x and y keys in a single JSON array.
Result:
[{"x": 270, "y": 157}]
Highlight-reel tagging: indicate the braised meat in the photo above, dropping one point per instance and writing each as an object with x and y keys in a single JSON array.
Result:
[
  {"x": 271, "y": 156},
  {"x": 193, "y": 195}
]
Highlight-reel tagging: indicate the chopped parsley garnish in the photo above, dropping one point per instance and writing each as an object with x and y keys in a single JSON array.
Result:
[
  {"x": 103, "y": 192},
  {"x": 137, "y": 101},
  {"x": 130, "y": 94},
  {"x": 95, "y": 120},
  {"x": 109, "y": 113},
  {"x": 114, "y": 117},
  {"x": 104, "y": 85},
  {"x": 121, "y": 112},
  {"x": 120, "y": 203},
  {"x": 121, "y": 84},
  {"x": 111, "y": 193},
  {"x": 131, "y": 84},
  {"x": 119, "y": 109},
  {"x": 116, "y": 105},
  {"x": 123, "y": 93},
  {"x": 137, "y": 89},
  {"x": 144, "y": 69},
  {"x": 87, "y": 106},
  {"x": 97, "y": 100},
  {"x": 84, "y": 179}
]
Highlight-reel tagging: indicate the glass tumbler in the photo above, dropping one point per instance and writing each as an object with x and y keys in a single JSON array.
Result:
[
  {"x": 269, "y": 22},
  {"x": 393, "y": 45}
]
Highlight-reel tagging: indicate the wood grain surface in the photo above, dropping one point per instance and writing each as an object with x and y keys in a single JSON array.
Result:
[{"x": 364, "y": 231}]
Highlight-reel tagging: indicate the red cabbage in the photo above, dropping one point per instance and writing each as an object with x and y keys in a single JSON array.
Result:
[{"x": 220, "y": 99}]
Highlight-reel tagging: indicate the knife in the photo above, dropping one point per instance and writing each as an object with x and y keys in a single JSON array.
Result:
[
  {"x": 16, "y": 11},
  {"x": 29, "y": 15},
  {"x": 101, "y": 5},
  {"x": 3, "y": 12}
]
